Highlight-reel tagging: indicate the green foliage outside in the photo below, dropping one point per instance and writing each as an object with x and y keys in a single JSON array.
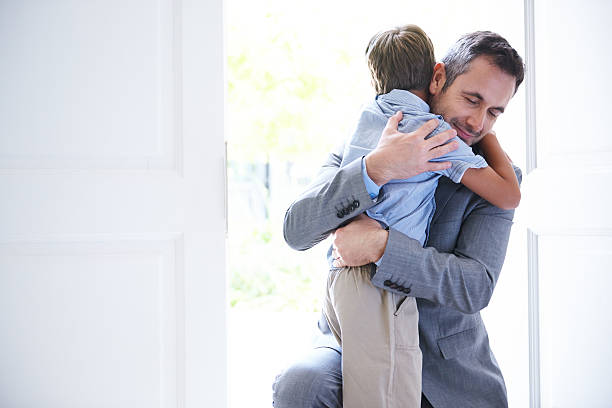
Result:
[
  {"x": 266, "y": 276},
  {"x": 291, "y": 97}
]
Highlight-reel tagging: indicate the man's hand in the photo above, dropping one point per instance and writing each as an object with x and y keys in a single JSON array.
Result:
[
  {"x": 404, "y": 155},
  {"x": 360, "y": 242}
]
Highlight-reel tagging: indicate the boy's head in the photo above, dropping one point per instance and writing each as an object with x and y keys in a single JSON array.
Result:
[{"x": 401, "y": 58}]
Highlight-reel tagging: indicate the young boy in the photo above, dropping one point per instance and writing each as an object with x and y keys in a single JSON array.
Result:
[{"x": 377, "y": 329}]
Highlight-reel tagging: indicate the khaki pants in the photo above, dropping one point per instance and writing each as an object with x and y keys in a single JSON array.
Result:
[{"x": 379, "y": 335}]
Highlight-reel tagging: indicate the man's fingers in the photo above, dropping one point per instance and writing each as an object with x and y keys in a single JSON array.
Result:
[
  {"x": 337, "y": 259},
  {"x": 335, "y": 254},
  {"x": 393, "y": 122},
  {"x": 443, "y": 150},
  {"x": 441, "y": 138},
  {"x": 427, "y": 128}
]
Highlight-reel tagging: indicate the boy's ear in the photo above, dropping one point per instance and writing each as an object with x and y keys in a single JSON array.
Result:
[{"x": 438, "y": 79}]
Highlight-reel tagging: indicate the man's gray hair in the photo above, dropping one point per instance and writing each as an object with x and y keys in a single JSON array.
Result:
[{"x": 482, "y": 43}]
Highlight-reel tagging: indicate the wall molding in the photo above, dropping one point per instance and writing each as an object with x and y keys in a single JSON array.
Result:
[
  {"x": 530, "y": 96},
  {"x": 534, "y": 319}
]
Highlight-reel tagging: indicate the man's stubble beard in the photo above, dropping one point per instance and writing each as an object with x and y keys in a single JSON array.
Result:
[{"x": 436, "y": 108}]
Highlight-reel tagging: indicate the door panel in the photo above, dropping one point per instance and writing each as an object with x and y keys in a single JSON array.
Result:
[
  {"x": 112, "y": 281},
  {"x": 575, "y": 324},
  {"x": 567, "y": 201}
]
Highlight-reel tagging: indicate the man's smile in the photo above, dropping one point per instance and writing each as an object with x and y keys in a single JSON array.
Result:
[{"x": 465, "y": 135}]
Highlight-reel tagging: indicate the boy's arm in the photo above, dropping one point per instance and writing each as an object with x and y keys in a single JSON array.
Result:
[{"x": 497, "y": 183}]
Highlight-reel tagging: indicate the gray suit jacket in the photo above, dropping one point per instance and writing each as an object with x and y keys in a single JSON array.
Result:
[{"x": 453, "y": 277}]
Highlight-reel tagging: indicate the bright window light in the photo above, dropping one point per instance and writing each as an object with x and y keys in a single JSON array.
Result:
[{"x": 297, "y": 77}]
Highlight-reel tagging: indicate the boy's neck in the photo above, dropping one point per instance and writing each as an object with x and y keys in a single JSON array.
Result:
[{"x": 421, "y": 93}]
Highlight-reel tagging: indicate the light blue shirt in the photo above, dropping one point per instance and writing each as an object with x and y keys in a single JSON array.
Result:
[{"x": 406, "y": 205}]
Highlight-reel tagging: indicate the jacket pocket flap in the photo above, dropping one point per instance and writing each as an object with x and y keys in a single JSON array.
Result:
[{"x": 450, "y": 346}]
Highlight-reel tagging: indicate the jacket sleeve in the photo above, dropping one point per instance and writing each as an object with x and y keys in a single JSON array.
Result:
[
  {"x": 463, "y": 279},
  {"x": 334, "y": 197}
]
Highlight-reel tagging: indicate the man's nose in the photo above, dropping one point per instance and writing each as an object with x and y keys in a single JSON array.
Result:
[{"x": 476, "y": 120}]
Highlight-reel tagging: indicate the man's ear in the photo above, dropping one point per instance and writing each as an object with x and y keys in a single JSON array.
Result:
[{"x": 438, "y": 79}]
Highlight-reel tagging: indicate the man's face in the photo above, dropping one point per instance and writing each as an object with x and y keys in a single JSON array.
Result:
[{"x": 474, "y": 100}]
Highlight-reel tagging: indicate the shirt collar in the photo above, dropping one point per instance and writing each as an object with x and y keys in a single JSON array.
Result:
[{"x": 404, "y": 98}]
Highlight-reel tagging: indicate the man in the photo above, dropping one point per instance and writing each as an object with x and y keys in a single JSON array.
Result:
[{"x": 454, "y": 276}]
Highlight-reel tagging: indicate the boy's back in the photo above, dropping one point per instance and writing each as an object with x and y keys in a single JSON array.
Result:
[{"x": 406, "y": 205}]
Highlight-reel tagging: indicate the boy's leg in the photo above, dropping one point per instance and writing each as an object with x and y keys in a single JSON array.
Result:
[
  {"x": 381, "y": 359},
  {"x": 328, "y": 307}
]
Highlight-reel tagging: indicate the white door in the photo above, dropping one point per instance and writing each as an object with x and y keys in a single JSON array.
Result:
[
  {"x": 568, "y": 202},
  {"x": 112, "y": 282}
]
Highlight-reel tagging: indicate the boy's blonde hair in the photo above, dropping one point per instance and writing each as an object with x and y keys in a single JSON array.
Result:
[{"x": 401, "y": 58}]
